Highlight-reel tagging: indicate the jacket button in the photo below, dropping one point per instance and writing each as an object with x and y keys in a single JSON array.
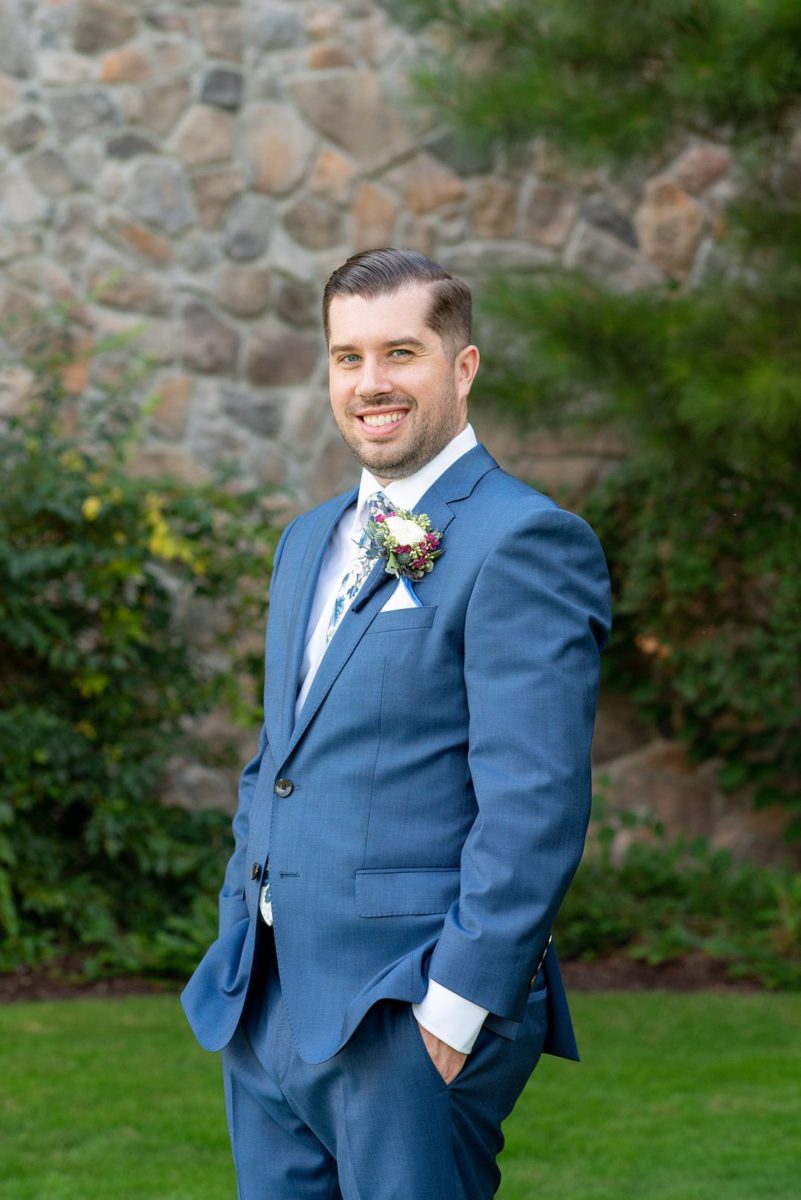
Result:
[
  {"x": 255, "y": 871},
  {"x": 284, "y": 787}
]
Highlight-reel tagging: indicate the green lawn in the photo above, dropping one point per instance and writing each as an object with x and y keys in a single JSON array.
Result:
[{"x": 678, "y": 1097}]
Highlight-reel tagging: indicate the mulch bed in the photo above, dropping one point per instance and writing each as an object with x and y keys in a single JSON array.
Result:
[{"x": 694, "y": 972}]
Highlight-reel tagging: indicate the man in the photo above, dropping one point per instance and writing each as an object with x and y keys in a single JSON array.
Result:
[{"x": 384, "y": 983}]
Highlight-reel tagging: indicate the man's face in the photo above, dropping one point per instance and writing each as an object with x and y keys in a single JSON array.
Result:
[{"x": 397, "y": 395}]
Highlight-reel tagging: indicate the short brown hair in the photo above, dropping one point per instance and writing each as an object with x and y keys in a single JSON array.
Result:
[{"x": 372, "y": 273}]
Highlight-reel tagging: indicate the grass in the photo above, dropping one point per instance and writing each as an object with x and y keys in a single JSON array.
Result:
[{"x": 678, "y": 1097}]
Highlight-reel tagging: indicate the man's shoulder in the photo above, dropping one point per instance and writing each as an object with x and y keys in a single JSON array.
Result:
[{"x": 498, "y": 489}]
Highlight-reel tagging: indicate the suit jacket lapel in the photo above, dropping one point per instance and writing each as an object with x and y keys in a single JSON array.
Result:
[
  {"x": 302, "y": 601},
  {"x": 455, "y": 484}
]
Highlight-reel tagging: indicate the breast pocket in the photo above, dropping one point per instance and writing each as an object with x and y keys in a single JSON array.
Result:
[{"x": 403, "y": 619}]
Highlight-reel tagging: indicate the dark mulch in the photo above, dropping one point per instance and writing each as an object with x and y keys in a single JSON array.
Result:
[{"x": 694, "y": 972}]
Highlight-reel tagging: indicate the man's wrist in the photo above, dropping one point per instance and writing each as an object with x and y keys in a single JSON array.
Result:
[{"x": 450, "y": 1017}]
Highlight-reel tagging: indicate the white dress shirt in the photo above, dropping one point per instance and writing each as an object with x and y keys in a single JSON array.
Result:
[{"x": 447, "y": 1015}]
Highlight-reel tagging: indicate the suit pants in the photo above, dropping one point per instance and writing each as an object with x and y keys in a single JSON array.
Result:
[{"x": 376, "y": 1121}]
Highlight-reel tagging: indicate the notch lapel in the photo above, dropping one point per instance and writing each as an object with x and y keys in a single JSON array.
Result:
[
  {"x": 302, "y": 601},
  {"x": 455, "y": 484}
]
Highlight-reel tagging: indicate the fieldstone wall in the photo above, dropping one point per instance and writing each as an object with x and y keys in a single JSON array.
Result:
[{"x": 195, "y": 171}]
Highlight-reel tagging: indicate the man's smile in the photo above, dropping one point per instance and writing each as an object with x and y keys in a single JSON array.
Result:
[{"x": 383, "y": 423}]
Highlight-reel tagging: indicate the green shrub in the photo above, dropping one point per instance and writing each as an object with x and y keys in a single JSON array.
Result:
[
  {"x": 665, "y": 899},
  {"x": 98, "y": 676}
]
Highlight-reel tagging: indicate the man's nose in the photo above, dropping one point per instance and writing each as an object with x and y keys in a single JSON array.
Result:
[{"x": 373, "y": 379}]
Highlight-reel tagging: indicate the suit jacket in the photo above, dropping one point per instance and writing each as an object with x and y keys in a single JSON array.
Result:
[{"x": 427, "y": 810}]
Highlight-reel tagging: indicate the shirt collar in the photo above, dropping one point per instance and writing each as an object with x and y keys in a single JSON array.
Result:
[{"x": 405, "y": 493}]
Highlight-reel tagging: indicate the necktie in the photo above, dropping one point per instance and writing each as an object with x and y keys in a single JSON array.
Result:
[{"x": 359, "y": 568}]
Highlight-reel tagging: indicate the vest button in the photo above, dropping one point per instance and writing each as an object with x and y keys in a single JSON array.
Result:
[
  {"x": 284, "y": 788},
  {"x": 255, "y": 871}
]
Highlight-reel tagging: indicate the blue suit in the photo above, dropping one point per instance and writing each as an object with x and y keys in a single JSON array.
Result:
[{"x": 425, "y": 814}]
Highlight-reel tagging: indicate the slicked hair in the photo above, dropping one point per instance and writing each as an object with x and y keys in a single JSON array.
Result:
[{"x": 373, "y": 273}]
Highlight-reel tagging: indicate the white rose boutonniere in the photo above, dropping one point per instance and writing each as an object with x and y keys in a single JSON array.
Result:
[{"x": 407, "y": 542}]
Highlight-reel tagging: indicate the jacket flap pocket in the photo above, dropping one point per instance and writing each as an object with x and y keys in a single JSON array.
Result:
[
  {"x": 403, "y": 618},
  {"x": 406, "y": 892}
]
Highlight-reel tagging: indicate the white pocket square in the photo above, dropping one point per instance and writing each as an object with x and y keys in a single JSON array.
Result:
[{"x": 402, "y": 597}]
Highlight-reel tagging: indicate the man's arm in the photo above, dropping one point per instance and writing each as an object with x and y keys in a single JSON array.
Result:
[{"x": 536, "y": 621}]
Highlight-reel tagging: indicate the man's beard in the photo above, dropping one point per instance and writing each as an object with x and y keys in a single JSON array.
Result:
[{"x": 399, "y": 462}]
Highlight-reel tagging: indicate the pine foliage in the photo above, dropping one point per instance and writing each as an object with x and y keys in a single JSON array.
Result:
[{"x": 701, "y": 384}]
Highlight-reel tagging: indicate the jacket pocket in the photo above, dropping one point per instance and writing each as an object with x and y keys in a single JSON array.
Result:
[
  {"x": 403, "y": 618},
  {"x": 407, "y": 891}
]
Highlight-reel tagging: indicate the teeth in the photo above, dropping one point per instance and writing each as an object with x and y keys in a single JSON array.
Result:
[{"x": 383, "y": 419}]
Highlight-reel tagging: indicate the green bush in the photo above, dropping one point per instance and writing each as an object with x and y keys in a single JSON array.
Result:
[
  {"x": 665, "y": 899},
  {"x": 98, "y": 676}
]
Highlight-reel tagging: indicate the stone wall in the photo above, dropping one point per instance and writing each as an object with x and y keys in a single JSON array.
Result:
[{"x": 197, "y": 169}]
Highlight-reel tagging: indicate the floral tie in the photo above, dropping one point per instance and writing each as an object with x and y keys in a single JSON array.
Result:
[{"x": 360, "y": 566}]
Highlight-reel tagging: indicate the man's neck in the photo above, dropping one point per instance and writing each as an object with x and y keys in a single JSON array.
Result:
[{"x": 407, "y": 492}]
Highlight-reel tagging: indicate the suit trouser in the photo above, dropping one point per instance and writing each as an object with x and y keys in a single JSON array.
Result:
[{"x": 376, "y": 1121}]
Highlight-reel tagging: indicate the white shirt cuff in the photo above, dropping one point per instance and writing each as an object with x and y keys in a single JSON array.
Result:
[{"x": 450, "y": 1017}]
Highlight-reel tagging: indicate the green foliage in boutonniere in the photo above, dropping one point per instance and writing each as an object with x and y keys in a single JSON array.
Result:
[{"x": 407, "y": 542}]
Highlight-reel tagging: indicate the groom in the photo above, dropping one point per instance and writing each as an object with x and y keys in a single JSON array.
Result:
[{"x": 384, "y": 981}]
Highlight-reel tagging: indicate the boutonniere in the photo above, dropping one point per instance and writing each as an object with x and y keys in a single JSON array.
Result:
[{"x": 407, "y": 542}]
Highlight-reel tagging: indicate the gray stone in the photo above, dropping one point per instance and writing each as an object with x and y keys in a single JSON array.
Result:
[
  {"x": 49, "y": 170},
  {"x": 700, "y": 166},
  {"x": 278, "y": 146},
  {"x": 247, "y": 228},
  {"x": 170, "y": 416},
  {"x": 213, "y": 192},
  {"x": 204, "y": 135},
  {"x": 599, "y": 211},
  {"x": 198, "y": 252},
  {"x": 351, "y": 108},
  {"x": 9, "y": 94},
  {"x": 289, "y": 258},
  {"x": 114, "y": 282},
  {"x": 608, "y": 260},
  {"x": 210, "y": 345},
  {"x": 492, "y": 255},
  {"x": 168, "y": 20},
  {"x": 59, "y": 67},
  {"x": 222, "y": 32},
  {"x": 299, "y": 302},
  {"x": 86, "y": 159},
  {"x": 548, "y": 214},
  {"x": 462, "y": 156},
  {"x": 275, "y": 26},
  {"x": 279, "y": 355},
  {"x": 102, "y": 24},
  {"x": 163, "y": 103},
  {"x": 315, "y": 223},
  {"x": 130, "y": 235},
  {"x": 16, "y": 52},
  {"x": 20, "y": 203},
  {"x": 257, "y": 412},
  {"x": 244, "y": 291},
  {"x": 222, "y": 87},
  {"x": 130, "y": 145},
  {"x": 79, "y": 112},
  {"x": 158, "y": 192},
  {"x": 24, "y": 130}
]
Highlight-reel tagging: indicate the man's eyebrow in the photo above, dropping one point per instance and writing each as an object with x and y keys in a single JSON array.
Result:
[{"x": 401, "y": 341}]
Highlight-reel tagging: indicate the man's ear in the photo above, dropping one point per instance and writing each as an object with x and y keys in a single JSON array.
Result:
[{"x": 465, "y": 367}]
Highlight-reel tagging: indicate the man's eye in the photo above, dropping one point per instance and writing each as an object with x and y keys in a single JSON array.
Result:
[
  {"x": 399, "y": 352},
  {"x": 350, "y": 359}
]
